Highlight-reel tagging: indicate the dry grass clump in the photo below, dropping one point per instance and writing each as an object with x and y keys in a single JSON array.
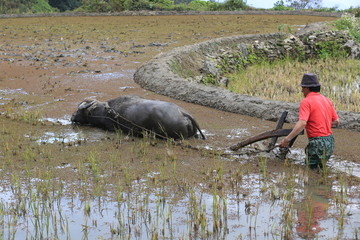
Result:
[{"x": 340, "y": 79}]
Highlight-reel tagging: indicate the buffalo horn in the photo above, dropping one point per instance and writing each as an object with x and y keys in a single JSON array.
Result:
[{"x": 86, "y": 104}]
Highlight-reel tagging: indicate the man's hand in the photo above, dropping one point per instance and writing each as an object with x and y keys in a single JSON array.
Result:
[
  {"x": 299, "y": 126},
  {"x": 284, "y": 143},
  {"x": 335, "y": 123}
]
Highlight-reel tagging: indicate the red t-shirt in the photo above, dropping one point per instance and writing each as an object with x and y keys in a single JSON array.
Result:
[{"x": 319, "y": 113}]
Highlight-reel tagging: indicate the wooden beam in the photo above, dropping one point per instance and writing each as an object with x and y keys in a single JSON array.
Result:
[
  {"x": 261, "y": 136},
  {"x": 279, "y": 125}
]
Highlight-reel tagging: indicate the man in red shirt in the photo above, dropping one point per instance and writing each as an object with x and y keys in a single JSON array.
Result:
[{"x": 316, "y": 115}]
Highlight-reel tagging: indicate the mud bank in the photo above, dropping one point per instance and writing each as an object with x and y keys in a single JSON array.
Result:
[{"x": 158, "y": 75}]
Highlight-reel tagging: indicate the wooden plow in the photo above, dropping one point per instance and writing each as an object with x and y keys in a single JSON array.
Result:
[{"x": 274, "y": 134}]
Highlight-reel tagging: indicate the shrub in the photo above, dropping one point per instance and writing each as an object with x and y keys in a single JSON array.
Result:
[
  {"x": 330, "y": 49},
  {"x": 201, "y": 5},
  {"x": 42, "y": 6},
  {"x": 65, "y": 5},
  {"x": 95, "y": 6},
  {"x": 354, "y": 11},
  {"x": 19, "y": 6},
  {"x": 323, "y": 9},
  {"x": 280, "y": 6},
  {"x": 350, "y": 23},
  {"x": 231, "y": 5}
]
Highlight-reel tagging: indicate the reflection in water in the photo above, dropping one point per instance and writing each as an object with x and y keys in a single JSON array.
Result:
[
  {"x": 158, "y": 212},
  {"x": 99, "y": 76},
  {"x": 61, "y": 121},
  {"x": 257, "y": 208},
  {"x": 334, "y": 163},
  {"x": 312, "y": 210},
  {"x": 51, "y": 137}
]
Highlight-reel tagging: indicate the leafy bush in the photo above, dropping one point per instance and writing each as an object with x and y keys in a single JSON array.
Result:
[
  {"x": 330, "y": 49},
  {"x": 95, "y": 6},
  {"x": 65, "y": 5},
  {"x": 280, "y": 6},
  {"x": 37, "y": 6},
  {"x": 118, "y": 5},
  {"x": 197, "y": 5},
  {"x": 202, "y": 5},
  {"x": 323, "y": 9},
  {"x": 20, "y": 6},
  {"x": 354, "y": 11},
  {"x": 304, "y": 4},
  {"x": 10, "y": 7},
  {"x": 232, "y": 5},
  {"x": 122, "y": 5},
  {"x": 350, "y": 23},
  {"x": 42, "y": 6},
  {"x": 160, "y": 4}
]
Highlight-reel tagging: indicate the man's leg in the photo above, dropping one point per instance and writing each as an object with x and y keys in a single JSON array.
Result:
[{"x": 318, "y": 151}]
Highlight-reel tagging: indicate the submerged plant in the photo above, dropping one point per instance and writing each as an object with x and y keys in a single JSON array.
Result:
[{"x": 31, "y": 117}]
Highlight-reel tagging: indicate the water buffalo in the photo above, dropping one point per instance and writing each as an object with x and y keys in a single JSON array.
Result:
[{"x": 134, "y": 115}]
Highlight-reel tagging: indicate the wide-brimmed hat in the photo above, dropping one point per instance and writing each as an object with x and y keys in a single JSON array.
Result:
[{"x": 310, "y": 80}]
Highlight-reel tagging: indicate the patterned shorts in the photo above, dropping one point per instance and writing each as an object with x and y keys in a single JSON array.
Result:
[{"x": 319, "y": 150}]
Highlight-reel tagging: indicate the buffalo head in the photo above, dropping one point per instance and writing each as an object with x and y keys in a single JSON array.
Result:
[{"x": 92, "y": 112}]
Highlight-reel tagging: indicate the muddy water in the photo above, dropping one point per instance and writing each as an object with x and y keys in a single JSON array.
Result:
[{"x": 48, "y": 65}]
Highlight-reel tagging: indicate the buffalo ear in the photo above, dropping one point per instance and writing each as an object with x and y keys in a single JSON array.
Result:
[{"x": 86, "y": 104}]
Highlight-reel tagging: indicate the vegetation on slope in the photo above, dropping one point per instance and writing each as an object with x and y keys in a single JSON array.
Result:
[
  {"x": 280, "y": 79},
  {"x": 47, "y": 6}
]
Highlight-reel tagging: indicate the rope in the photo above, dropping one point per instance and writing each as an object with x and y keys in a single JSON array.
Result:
[
  {"x": 116, "y": 115},
  {"x": 181, "y": 144}
]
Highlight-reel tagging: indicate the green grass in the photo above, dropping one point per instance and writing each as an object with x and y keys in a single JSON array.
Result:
[
  {"x": 351, "y": 24},
  {"x": 280, "y": 81}
]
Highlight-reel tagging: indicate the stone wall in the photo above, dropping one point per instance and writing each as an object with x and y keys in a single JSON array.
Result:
[{"x": 178, "y": 73}]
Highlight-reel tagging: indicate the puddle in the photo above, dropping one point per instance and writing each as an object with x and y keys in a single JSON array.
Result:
[
  {"x": 251, "y": 213},
  {"x": 334, "y": 163},
  {"x": 68, "y": 137},
  {"x": 125, "y": 87},
  {"x": 60, "y": 121},
  {"x": 238, "y": 133},
  {"x": 105, "y": 76},
  {"x": 6, "y": 95},
  {"x": 206, "y": 133},
  {"x": 13, "y": 91},
  {"x": 99, "y": 76},
  {"x": 295, "y": 154},
  {"x": 345, "y": 166}
]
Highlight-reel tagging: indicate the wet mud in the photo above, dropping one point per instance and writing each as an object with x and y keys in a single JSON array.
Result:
[
  {"x": 50, "y": 64},
  {"x": 58, "y": 61}
]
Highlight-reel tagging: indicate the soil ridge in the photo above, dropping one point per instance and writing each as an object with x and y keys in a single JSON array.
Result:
[{"x": 158, "y": 76}]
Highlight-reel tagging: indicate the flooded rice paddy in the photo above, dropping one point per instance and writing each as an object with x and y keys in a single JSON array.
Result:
[
  {"x": 61, "y": 181},
  {"x": 257, "y": 209}
]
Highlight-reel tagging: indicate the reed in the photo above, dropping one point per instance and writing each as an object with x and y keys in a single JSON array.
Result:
[
  {"x": 280, "y": 80},
  {"x": 263, "y": 166},
  {"x": 20, "y": 114}
]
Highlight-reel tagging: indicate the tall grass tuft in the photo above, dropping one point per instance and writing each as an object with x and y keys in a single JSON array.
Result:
[{"x": 280, "y": 81}]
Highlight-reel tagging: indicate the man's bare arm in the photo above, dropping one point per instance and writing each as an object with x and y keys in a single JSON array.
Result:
[{"x": 299, "y": 126}]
